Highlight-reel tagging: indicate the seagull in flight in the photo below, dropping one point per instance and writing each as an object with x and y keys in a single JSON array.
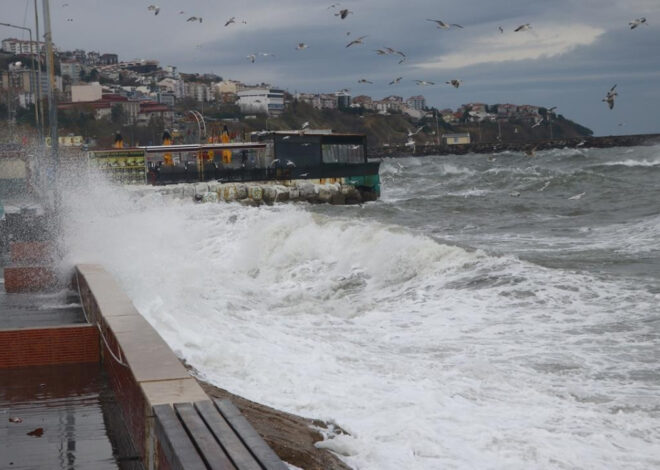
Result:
[
  {"x": 194, "y": 18},
  {"x": 455, "y": 83},
  {"x": 411, "y": 133},
  {"x": 301, "y": 46},
  {"x": 305, "y": 125},
  {"x": 230, "y": 21},
  {"x": 395, "y": 81},
  {"x": 609, "y": 99},
  {"x": 577, "y": 196},
  {"x": 523, "y": 27},
  {"x": 252, "y": 57},
  {"x": 154, "y": 8},
  {"x": 537, "y": 123},
  {"x": 442, "y": 25},
  {"x": 356, "y": 41},
  {"x": 364, "y": 80},
  {"x": 343, "y": 13},
  {"x": 634, "y": 23},
  {"x": 501, "y": 29},
  {"x": 424, "y": 82}
]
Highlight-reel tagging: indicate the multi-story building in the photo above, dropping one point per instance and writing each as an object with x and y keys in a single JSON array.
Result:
[
  {"x": 416, "y": 102},
  {"x": 109, "y": 59},
  {"x": 19, "y": 46},
  {"x": 261, "y": 100},
  {"x": 506, "y": 110},
  {"x": 199, "y": 91},
  {"x": 343, "y": 99},
  {"x": 389, "y": 103},
  {"x": 363, "y": 101},
  {"x": 88, "y": 92},
  {"x": 71, "y": 68}
]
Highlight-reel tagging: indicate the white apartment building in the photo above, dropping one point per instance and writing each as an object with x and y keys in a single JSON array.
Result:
[
  {"x": 72, "y": 69},
  {"x": 18, "y": 46},
  {"x": 90, "y": 92},
  {"x": 199, "y": 91},
  {"x": 261, "y": 100}
]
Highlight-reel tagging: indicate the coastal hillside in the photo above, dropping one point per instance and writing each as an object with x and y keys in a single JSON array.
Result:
[{"x": 393, "y": 128}]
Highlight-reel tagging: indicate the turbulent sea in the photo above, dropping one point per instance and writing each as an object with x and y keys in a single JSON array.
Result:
[{"x": 489, "y": 311}]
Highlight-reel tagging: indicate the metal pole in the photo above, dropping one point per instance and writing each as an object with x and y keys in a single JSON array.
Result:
[
  {"x": 40, "y": 106},
  {"x": 52, "y": 105}
]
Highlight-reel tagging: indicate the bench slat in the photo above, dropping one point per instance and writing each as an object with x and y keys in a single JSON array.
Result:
[
  {"x": 177, "y": 447},
  {"x": 253, "y": 441},
  {"x": 211, "y": 451},
  {"x": 228, "y": 439}
]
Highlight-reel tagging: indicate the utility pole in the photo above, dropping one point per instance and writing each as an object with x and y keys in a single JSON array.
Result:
[
  {"x": 52, "y": 105},
  {"x": 40, "y": 107}
]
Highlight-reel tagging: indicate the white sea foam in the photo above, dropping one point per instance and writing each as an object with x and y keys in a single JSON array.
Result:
[
  {"x": 429, "y": 355},
  {"x": 634, "y": 163}
]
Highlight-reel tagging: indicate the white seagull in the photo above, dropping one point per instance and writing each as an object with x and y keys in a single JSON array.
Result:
[
  {"x": 523, "y": 27},
  {"x": 230, "y": 21},
  {"x": 154, "y": 8},
  {"x": 301, "y": 46},
  {"x": 364, "y": 80},
  {"x": 395, "y": 81},
  {"x": 194, "y": 18},
  {"x": 424, "y": 82},
  {"x": 455, "y": 83},
  {"x": 634, "y": 23},
  {"x": 356, "y": 41},
  {"x": 442, "y": 25},
  {"x": 411, "y": 133},
  {"x": 252, "y": 57}
]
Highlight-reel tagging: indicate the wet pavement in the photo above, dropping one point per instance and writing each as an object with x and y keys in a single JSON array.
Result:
[
  {"x": 62, "y": 417},
  {"x": 39, "y": 310}
]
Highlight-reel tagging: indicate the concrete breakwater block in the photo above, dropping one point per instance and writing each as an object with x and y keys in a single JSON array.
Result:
[{"x": 267, "y": 193}]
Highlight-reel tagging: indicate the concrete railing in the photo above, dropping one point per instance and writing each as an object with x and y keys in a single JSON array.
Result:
[{"x": 143, "y": 370}]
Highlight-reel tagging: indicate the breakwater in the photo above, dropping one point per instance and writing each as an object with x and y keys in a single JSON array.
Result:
[{"x": 394, "y": 151}]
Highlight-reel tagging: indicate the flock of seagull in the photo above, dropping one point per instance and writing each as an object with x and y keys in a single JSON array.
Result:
[{"x": 440, "y": 24}]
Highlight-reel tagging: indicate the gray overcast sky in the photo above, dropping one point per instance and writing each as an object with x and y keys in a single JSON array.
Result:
[{"x": 574, "y": 52}]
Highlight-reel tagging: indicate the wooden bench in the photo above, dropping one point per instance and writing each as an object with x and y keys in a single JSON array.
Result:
[{"x": 211, "y": 435}]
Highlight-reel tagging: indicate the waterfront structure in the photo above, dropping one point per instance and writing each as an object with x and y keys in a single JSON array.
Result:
[{"x": 455, "y": 139}]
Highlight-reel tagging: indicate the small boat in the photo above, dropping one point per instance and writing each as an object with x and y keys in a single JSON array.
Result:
[{"x": 282, "y": 156}]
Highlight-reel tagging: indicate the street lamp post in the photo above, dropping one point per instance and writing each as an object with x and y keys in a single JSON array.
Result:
[{"x": 35, "y": 99}]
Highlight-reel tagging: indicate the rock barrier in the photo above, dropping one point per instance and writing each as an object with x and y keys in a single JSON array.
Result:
[{"x": 257, "y": 193}]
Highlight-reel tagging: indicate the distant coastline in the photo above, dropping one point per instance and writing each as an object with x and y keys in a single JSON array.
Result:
[{"x": 396, "y": 151}]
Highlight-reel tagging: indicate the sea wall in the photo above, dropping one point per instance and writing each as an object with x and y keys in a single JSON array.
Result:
[{"x": 494, "y": 147}]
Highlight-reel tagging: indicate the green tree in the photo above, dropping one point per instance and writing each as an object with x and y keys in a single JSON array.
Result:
[{"x": 117, "y": 114}]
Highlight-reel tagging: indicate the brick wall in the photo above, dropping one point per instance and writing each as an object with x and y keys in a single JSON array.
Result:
[{"x": 47, "y": 346}]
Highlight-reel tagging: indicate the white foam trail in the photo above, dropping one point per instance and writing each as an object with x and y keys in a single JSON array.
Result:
[{"x": 431, "y": 356}]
